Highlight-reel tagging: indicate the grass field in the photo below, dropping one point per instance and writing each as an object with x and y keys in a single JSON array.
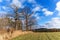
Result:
[{"x": 39, "y": 36}]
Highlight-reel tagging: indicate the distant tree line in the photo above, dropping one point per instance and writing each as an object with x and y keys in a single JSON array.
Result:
[{"x": 46, "y": 30}]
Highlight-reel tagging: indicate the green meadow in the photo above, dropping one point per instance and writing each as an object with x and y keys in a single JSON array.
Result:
[{"x": 39, "y": 36}]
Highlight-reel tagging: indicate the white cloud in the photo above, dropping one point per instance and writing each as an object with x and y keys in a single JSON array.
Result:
[
  {"x": 31, "y": 1},
  {"x": 17, "y": 3},
  {"x": 3, "y": 7},
  {"x": 1, "y": 0},
  {"x": 37, "y": 8},
  {"x": 56, "y": 19},
  {"x": 46, "y": 12},
  {"x": 54, "y": 23},
  {"x": 44, "y": 9},
  {"x": 58, "y": 6},
  {"x": 37, "y": 17}
]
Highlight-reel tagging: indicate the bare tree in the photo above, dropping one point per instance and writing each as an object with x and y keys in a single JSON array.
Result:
[
  {"x": 32, "y": 22},
  {"x": 15, "y": 16},
  {"x": 26, "y": 12}
]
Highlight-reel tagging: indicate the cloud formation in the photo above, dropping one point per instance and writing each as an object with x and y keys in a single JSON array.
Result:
[
  {"x": 17, "y": 3},
  {"x": 54, "y": 23},
  {"x": 37, "y": 8},
  {"x": 58, "y": 7},
  {"x": 46, "y": 12}
]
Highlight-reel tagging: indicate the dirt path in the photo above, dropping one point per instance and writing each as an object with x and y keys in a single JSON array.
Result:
[{"x": 6, "y": 36}]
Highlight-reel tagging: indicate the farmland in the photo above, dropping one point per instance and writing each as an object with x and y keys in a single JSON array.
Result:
[{"x": 39, "y": 36}]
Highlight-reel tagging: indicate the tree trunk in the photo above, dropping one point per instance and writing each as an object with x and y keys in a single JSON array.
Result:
[
  {"x": 16, "y": 25},
  {"x": 30, "y": 28},
  {"x": 26, "y": 23},
  {"x": 20, "y": 26}
]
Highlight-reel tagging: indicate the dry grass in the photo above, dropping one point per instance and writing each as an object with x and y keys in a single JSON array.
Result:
[{"x": 7, "y": 36}]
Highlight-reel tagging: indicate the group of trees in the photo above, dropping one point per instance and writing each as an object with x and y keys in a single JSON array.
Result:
[
  {"x": 21, "y": 17},
  {"x": 46, "y": 30}
]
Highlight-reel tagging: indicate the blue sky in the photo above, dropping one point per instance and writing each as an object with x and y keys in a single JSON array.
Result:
[{"x": 46, "y": 11}]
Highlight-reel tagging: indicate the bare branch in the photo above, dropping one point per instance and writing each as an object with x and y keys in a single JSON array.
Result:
[{"x": 30, "y": 14}]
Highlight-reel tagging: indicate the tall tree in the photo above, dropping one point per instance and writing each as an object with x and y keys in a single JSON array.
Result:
[
  {"x": 15, "y": 16},
  {"x": 27, "y": 13}
]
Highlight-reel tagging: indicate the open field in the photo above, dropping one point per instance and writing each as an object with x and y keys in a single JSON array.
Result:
[{"x": 39, "y": 36}]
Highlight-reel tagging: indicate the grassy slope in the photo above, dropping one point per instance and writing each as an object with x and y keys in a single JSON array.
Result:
[{"x": 39, "y": 36}]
